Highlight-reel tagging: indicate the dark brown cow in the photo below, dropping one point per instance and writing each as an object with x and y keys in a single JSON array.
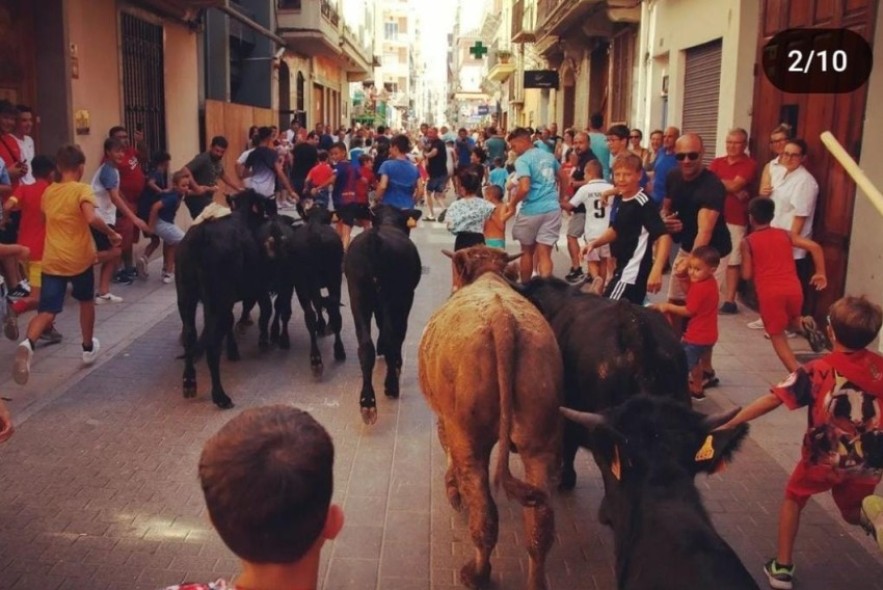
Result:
[{"x": 491, "y": 370}]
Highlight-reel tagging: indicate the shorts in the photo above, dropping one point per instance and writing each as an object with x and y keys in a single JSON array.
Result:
[
  {"x": 55, "y": 286},
  {"x": 676, "y": 291},
  {"x": 617, "y": 290},
  {"x": 352, "y": 212},
  {"x": 9, "y": 234},
  {"x": 34, "y": 272},
  {"x": 598, "y": 254},
  {"x": 576, "y": 227},
  {"x": 437, "y": 184},
  {"x": 102, "y": 242},
  {"x": 847, "y": 490},
  {"x": 694, "y": 353},
  {"x": 467, "y": 239},
  {"x": 778, "y": 309},
  {"x": 737, "y": 234},
  {"x": 495, "y": 243},
  {"x": 126, "y": 229},
  {"x": 169, "y": 233},
  {"x": 544, "y": 228}
]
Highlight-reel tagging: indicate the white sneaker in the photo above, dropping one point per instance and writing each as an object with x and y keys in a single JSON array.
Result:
[
  {"x": 168, "y": 278},
  {"x": 141, "y": 267},
  {"x": 21, "y": 366},
  {"x": 756, "y": 324},
  {"x": 107, "y": 298},
  {"x": 89, "y": 356}
]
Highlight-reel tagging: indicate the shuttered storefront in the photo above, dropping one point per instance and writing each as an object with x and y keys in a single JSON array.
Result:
[{"x": 702, "y": 78}]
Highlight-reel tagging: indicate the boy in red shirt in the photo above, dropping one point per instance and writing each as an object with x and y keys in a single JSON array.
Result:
[
  {"x": 319, "y": 180},
  {"x": 767, "y": 258},
  {"x": 843, "y": 445},
  {"x": 703, "y": 295},
  {"x": 27, "y": 199}
]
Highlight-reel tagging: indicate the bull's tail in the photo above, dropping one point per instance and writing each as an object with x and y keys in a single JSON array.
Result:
[{"x": 505, "y": 332}]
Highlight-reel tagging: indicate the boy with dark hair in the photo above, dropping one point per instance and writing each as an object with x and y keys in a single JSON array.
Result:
[
  {"x": 277, "y": 536},
  {"x": 68, "y": 255},
  {"x": 767, "y": 258},
  {"x": 27, "y": 199},
  {"x": 631, "y": 235},
  {"x": 343, "y": 193},
  {"x": 843, "y": 445},
  {"x": 697, "y": 275},
  {"x": 161, "y": 222}
]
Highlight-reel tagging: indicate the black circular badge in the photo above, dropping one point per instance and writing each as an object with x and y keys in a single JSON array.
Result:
[{"x": 828, "y": 61}]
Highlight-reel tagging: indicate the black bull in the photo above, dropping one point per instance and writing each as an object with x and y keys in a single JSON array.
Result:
[{"x": 611, "y": 350}]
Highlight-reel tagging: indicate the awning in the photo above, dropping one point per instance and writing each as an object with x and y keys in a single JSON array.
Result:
[{"x": 248, "y": 22}]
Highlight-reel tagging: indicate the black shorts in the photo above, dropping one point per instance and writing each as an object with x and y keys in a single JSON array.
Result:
[
  {"x": 467, "y": 239},
  {"x": 102, "y": 242},
  {"x": 352, "y": 212},
  {"x": 9, "y": 234}
]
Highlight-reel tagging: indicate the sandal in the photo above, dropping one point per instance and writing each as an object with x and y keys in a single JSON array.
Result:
[{"x": 813, "y": 335}]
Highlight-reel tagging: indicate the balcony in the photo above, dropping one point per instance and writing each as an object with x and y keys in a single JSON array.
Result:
[
  {"x": 501, "y": 65},
  {"x": 523, "y": 25},
  {"x": 357, "y": 60},
  {"x": 310, "y": 27},
  {"x": 555, "y": 17}
]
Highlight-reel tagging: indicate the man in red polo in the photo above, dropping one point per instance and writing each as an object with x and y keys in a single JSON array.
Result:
[
  {"x": 10, "y": 152},
  {"x": 132, "y": 181},
  {"x": 737, "y": 171}
]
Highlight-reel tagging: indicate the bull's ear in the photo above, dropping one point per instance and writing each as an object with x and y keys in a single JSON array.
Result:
[
  {"x": 717, "y": 448},
  {"x": 415, "y": 214}
]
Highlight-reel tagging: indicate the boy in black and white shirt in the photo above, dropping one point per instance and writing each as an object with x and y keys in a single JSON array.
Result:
[{"x": 631, "y": 235}]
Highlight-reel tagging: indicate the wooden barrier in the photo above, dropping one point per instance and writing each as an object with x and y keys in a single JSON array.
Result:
[{"x": 232, "y": 121}]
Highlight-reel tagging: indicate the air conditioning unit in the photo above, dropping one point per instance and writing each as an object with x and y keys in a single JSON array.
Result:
[{"x": 664, "y": 92}]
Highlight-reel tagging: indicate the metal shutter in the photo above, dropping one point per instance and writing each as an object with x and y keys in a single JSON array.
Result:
[{"x": 702, "y": 79}]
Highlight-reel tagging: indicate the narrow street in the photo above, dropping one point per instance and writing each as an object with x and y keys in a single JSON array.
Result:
[{"x": 99, "y": 486}]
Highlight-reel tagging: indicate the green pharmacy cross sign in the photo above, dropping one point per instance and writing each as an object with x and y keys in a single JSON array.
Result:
[{"x": 478, "y": 50}]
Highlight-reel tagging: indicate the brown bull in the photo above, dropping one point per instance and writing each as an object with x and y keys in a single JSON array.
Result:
[{"x": 491, "y": 370}]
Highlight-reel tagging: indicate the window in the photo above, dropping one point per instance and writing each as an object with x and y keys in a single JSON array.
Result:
[
  {"x": 390, "y": 31},
  {"x": 289, "y": 4}
]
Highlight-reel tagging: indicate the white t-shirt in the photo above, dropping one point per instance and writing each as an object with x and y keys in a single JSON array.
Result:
[
  {"x": 106, "y": 178},
  {"x": 795, "y": 195},
  {"x": 597, "y": 214},
  {"x": 26, "y": 145},
  {"x": 452, "y": 157},
  {"x": 246, "y": 182}
]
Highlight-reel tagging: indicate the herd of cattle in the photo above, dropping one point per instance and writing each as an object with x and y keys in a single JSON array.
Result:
[{"x": 498, "y": 363}]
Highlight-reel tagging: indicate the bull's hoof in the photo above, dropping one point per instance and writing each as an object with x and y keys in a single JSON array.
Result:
[
  {"x": 339, "y": 352},
  {"x": 284, "y": 342},
  {"x": 454, "y": 497},
  {"x": 472, "y": 578},
  {"x": 263, "y": 345},
  {"x": 568, "y": 480},
  {"x": 222, "y": 401},
  {"x": 369, "y": 416},
  {"x": 243, "y": 325},
  {"x": 189, "y": 388},
  {"x": 317, "y": 368}
]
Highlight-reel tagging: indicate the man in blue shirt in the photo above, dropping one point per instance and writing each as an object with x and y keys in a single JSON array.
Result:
[
  {"x": 665, "y": 163},
  {"x": 538, "y": 223},
  {"x": 398, "y": 176},
  {"x": 598, "y": 142}
]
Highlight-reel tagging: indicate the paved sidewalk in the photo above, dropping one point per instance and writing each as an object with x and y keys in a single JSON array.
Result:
[{"x": 98, "y": 487}]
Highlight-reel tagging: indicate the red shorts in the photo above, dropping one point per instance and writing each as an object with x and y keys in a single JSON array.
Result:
[
  {"x": 778, "y": 309},
  {"x": 847, "y": 491}
]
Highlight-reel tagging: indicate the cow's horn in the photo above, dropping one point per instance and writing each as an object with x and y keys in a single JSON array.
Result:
[
  {"x": 713, "y": 421},
  {"x": 511, "y": 257},
  {"x": 587, "y": 419},
  {"x": 448, "y": 253}
]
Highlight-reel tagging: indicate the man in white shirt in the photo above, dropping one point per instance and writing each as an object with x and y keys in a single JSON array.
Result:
[
  {"x": 22, "y": 134},
  {"x": 795, "y": 196}
]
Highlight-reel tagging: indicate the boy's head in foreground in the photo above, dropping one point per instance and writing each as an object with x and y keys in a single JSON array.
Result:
[
  {"x": 702, "y": 264},
  {"x": 267, "y": 477},
  {"x": 854, "y": 322},
  {"x": 761, "y": 211}
]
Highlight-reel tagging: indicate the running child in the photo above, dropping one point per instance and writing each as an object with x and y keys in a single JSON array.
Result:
[
  {"x": 156, "y": 184},
  {"x": 466, "y": 217},
  {"x": 843, "y": 446},
  {"x": 317, "y": 186},
  {"x": 161, "y": 222}
]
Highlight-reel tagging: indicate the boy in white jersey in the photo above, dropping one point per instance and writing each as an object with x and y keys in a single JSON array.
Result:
[{"x": 597, "y": 222}]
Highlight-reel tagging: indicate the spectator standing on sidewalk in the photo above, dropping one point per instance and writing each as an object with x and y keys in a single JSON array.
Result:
[
  {"x": 695, "y": 197},
  {"x": 636, "y": 136},
  {"x": 23, "y": 129},
  {"x": 843, "y": 444},
  {"x": 131, "y": 185},
  {"x": 205, "y": 170},
  {"x": 538, "y": 222},
  {"x": 598, "y": 142},
  {"x": 737, "y": 171},
  {"x": 655, "y": 146},
  {"x": 665, "y": 162},
  {"x": 577, "y": 224},
  {"x": 68, "y": 256},
  {"x": 10, "y": 178}
]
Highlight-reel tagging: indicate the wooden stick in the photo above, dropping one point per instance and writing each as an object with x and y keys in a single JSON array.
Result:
[{"x": 861, "y": 180}]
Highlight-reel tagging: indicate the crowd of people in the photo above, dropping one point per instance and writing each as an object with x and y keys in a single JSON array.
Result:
[{"x": 625, "y": 205}]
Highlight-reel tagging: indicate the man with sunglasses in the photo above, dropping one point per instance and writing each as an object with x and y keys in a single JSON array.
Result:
[{"x": 695, "y": 201}]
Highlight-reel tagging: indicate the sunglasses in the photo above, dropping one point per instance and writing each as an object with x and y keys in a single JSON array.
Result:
[
  {"x": 681, "y": 156},
  {"x": 634, "y": 137},
  {"x": 792, "y": 155}
]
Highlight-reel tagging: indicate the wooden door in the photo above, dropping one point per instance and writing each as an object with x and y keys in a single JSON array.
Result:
[
  {"x": 842, "y": 114},
  {"x": 18, "y": 64}
]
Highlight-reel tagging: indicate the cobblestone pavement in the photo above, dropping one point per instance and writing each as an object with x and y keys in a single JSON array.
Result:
[{"x": 98, "y": 486}]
